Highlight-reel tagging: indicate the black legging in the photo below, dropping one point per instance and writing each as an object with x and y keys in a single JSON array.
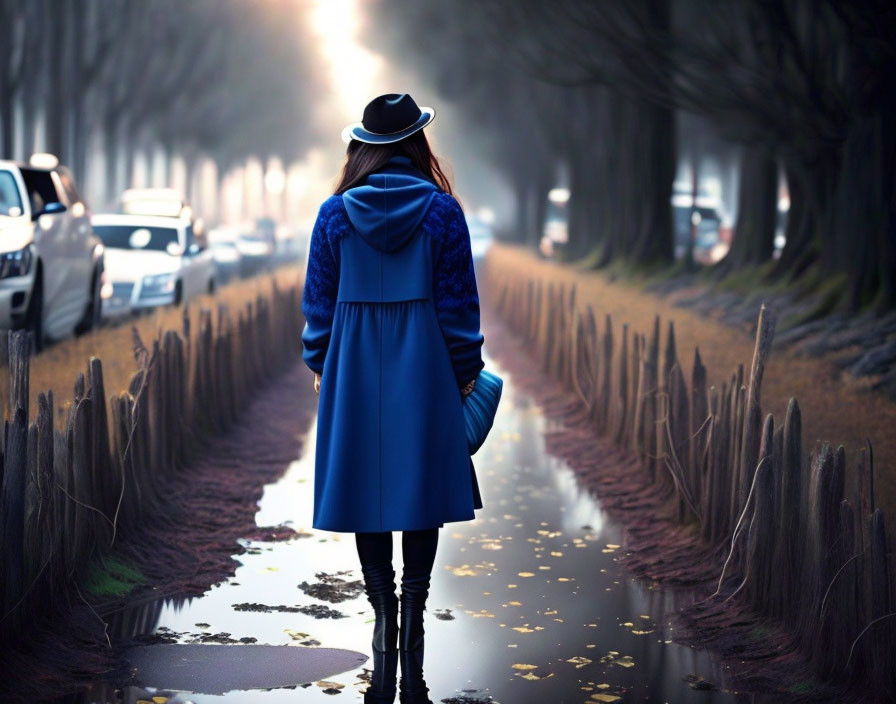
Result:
[{"x": 418, "y": 551}]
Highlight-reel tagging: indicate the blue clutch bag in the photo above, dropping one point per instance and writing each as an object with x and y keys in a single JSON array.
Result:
[{"x": 480, "y": 406}]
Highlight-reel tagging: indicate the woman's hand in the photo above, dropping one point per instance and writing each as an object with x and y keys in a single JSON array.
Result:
[
  {"x": 468, "y": 388},
  {"x": 316, "y": 383}
]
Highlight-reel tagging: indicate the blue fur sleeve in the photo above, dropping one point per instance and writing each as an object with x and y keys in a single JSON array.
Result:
[
  {"x": 319, "y": 293},
  {"x": 455, "y": 294}
]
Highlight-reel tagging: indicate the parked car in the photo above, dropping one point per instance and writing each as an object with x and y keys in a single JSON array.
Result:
[
  {"x": 481, "y": 236},
  {"x": 707, "y": 221},
  {"x": 151, "y": 261},
  {"x": 223, "y": 243},
  {"x": 289, "y": 244},
  {"x": 705, "y": 214},
  {"x": 51, "y": 263},
  {"x": 266, "y": 229},
  {"x": 555, "y": 232},
  {"x": 255, "y": 252},
  {"x": 164, "y": 202}
]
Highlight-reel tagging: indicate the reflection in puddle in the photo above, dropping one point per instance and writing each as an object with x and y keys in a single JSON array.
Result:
[{"x": 528, "y": 602}]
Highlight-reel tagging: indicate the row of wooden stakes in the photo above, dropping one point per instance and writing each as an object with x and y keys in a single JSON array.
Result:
[
  {"x": 797, "y": 545},
  {"x": 68, "y": 496}
]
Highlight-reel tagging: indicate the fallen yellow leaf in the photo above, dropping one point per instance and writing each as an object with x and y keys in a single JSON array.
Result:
[
  {"x": 579, "y": 661},
  {"x": 326, "y": 684},
  {"x": 533, "y": 676}
]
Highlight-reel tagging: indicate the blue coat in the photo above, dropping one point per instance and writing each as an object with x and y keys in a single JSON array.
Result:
[{"x": 392, "y": 325}]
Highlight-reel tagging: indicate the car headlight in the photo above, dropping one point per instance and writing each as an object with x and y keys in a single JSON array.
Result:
[
  {"x": 157, "y": 284},
  {"x": 107, "y": 290},
  {"x": 16, "y": 263}
]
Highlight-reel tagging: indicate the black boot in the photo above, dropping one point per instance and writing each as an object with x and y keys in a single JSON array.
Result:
[
  {"x": 380, "y": 588},
  {"x": 412, "y": 686}
]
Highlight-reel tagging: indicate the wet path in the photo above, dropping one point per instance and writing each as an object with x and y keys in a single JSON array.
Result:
[{"x": 528, "y": 603}]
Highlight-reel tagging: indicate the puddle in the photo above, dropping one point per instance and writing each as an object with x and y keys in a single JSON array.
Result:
[
  {"x": 217, "y": 670},
  {"x": 528, "y": 602}
]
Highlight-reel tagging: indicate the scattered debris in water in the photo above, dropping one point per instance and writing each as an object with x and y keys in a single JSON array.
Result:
[
  {"x": 579, "y": 661},
  {"x": 302, "y": 638},
  {"x": 313, "y": 610},
  {"x": 276, "y": 534},
  {"x": 470, "y": 696},
  {"x": 697, "y": 682},
  {"x": 166, "y": 636},
  {"x": 329, "y": 687},
  {"x": 332, "y": 587},
  {"x": 613, "y": 658},
  {"x": 321, "y": 611},
  {"x": 264, "y": 608}
]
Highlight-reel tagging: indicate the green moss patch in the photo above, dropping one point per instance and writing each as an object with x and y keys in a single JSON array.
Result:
[{"x": 112, "y": 577}]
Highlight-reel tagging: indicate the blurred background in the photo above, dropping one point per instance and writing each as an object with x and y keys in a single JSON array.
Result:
[
  {"x": 658, "y": 133},
  {"x": 719, "y": 154}
]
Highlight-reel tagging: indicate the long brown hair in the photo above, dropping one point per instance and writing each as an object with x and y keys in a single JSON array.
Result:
[{"x": 363, "y": 159}]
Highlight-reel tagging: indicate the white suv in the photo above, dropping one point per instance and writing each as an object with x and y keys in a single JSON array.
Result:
[
  {"x": 151, "y": 261},
  {"x": 51, "y": 264}
]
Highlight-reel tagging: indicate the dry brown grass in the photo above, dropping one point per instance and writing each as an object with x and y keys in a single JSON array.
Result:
[
  {"x": 836, "y": 407},
  {"x": 58, "y": 365}
]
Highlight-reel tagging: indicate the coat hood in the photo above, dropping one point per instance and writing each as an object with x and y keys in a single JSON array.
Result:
[{"x": 389, "y": 207}]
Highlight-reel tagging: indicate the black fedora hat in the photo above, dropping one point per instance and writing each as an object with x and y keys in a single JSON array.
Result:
[{"x": 389, "y": 118}]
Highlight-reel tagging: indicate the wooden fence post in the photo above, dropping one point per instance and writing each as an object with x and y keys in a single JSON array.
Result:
[{"x": 12, "y": 518}]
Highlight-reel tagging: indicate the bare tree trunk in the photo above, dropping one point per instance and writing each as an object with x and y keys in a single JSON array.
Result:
[
  {"x": 584, "y": 213},
  {"x": 55, "y": 113},
  {"x": 654, "y": 243},
  {"x": 191, "y": 158},
  {"x": 111, "y": 143},
  {"x": 541, "y": 186},
  {"x": 521, "y": 193},
  {"x": 863, "y": 236},
  {"x": 7, "y": 112},
  {"x": 800, "y": 248},
  {"x": 754, "y": 231},
  {"x": 7, "y": 94}
]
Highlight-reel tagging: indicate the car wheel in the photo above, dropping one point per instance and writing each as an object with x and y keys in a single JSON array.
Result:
[
  {"x": 34, "y": 323},
  {"x": 93, "y": 310}
]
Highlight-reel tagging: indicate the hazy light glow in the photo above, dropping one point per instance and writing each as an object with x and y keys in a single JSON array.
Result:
[
  {"x": 486, "y": 215},
  {"x": 353, "y": 69},
  {"x": 275, "y": 181},
  {"x": 44, "y": 161},
  {"x": 558, "y": 195}
]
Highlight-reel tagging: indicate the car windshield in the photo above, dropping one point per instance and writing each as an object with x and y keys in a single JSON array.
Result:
[
  {"x": 131, "y": 237},
  {"x": 10, "y": 203}
]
